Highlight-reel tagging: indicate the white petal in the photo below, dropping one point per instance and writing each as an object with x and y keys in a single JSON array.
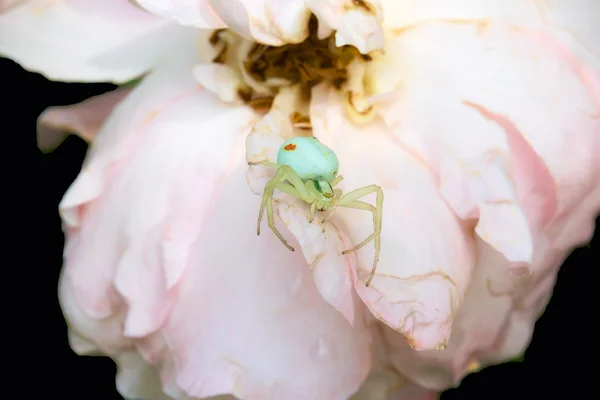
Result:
[
  {"x": 272, "y": 22},
  {"x": 197, "y": 13},
  {"x": 573, "y": 22},
  {"x": 89, "y": 40},
  {"x": 356, "y": 23}
]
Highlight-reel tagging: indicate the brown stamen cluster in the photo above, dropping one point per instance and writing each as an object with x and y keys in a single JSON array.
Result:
[{"x": 307, "y": 64}]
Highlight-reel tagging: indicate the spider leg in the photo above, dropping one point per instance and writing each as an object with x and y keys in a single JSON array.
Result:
[
  {"x": 265, "y": 163},
  {"x": 313, "y": 209},
  {"x": 297, "y": 189},
  {"x": 328, "y": 216},
  {"x": 337, "y": 180},
  {"x": 350, "y": 200}
]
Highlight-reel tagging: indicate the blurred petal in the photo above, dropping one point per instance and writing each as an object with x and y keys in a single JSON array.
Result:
[
  {"x": 197, "y": 13},
  {"x": 357, "y": 23},
  {"x": 88, "y": 40},
  {"x": 509, "y": 171},
  {"x": 271, "y": 22},
  {"x": 572, "y": 22},
  {"x": 6, "y": 4},
  {"x": 282, "y": 341},
  {"x": 426, "y": 254},
  {"x": 84, "y": 119}
]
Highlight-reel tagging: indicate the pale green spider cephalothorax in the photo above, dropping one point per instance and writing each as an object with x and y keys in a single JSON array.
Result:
[{"x": 308, "y": 170}]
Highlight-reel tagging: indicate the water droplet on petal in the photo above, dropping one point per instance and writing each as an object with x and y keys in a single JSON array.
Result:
[
  {"x": 296, "y": 284},
  {"x": 324, "y": 349}
]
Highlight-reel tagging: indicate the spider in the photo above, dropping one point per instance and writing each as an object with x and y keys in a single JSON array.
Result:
[{"x": 307, "y": 170}]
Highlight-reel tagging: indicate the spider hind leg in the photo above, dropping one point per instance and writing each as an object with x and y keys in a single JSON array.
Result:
[{"x": 350, "y": 200}]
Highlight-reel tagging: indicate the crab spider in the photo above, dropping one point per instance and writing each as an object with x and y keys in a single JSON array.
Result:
[{"x": 307, "y": 170}]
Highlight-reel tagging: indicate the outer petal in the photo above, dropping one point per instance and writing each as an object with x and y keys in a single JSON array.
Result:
[
  {"x": 494, "y": 324},
  {"x": 248, "y": 320},
  {"x": 197, "y": 13},
  {"x": 84, "y": 119},
  {"x": 88, "y": 40},
  {"x": 426, "y": 255},
  {"x": 156, "y": 238},
  {"x": 493, "y": 93},
  {"x": 385, "y": 382},
  {"x": 495, "y": 174},
  {"x": 272, "y": 22}
]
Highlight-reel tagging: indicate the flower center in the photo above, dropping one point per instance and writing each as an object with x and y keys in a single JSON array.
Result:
[{"x": 266, "y": 69}]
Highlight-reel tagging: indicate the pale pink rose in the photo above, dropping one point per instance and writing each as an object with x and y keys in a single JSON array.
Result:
[{"x": 480, "y": 121}]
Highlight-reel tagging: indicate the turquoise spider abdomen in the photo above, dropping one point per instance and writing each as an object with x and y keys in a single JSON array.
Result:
[{"x": 309, "y": 158}]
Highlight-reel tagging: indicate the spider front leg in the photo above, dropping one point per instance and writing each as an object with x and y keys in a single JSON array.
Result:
[
  {"x": 350, "y": 200},
  {"x": 297, "y": 189}
]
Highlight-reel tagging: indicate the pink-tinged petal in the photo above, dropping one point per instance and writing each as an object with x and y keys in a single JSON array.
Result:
[
  {"x": 572, "y": 22},
  {"x": 109, "y": 247},
  {"x": 136, "y": 379},
  {"x": 321, "y": 244},
  {"x": 88, "y": 334},
  {"x": 197, "y": 13},
  {"x": 84, "y": 119},
  {"x": 88, "y": 40},
  {"x": 271, "y": 22},
  {"x": 357, "y": 23},
  {"x": 426, "y": 253},
  {"x": 469, "y": 131},
  {"x": 385, "y": 382},
  {"x": 248, "y": 319},
  {"x": 6, "y": 4},
  {"x": 494, "y": 324}
]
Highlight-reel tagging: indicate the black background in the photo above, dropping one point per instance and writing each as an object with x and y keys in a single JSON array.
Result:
[{"x": 560, "y": 362}]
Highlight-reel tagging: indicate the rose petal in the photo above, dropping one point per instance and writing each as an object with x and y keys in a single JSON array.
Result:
[
  {"x": 110, "y": 247},
  {"x": 479, "y": 171},
  {"x": 271, "y": 22},
  {"x": 84, "y": 119},
  {"x": 197, "y": 13},
  {"x": 89, "y": 335},
  {"x": 6, "y": 4},
  {"x": 385, "y": 382},
  {"x": 494, "y": 323},
  {"x": 87, "y": 40},
  {"x": 426, "y": 255},
  {"x": 136, "y": 379},
  {"x": 358, "y": 23},
  {"x": 283, "y": 341}
]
